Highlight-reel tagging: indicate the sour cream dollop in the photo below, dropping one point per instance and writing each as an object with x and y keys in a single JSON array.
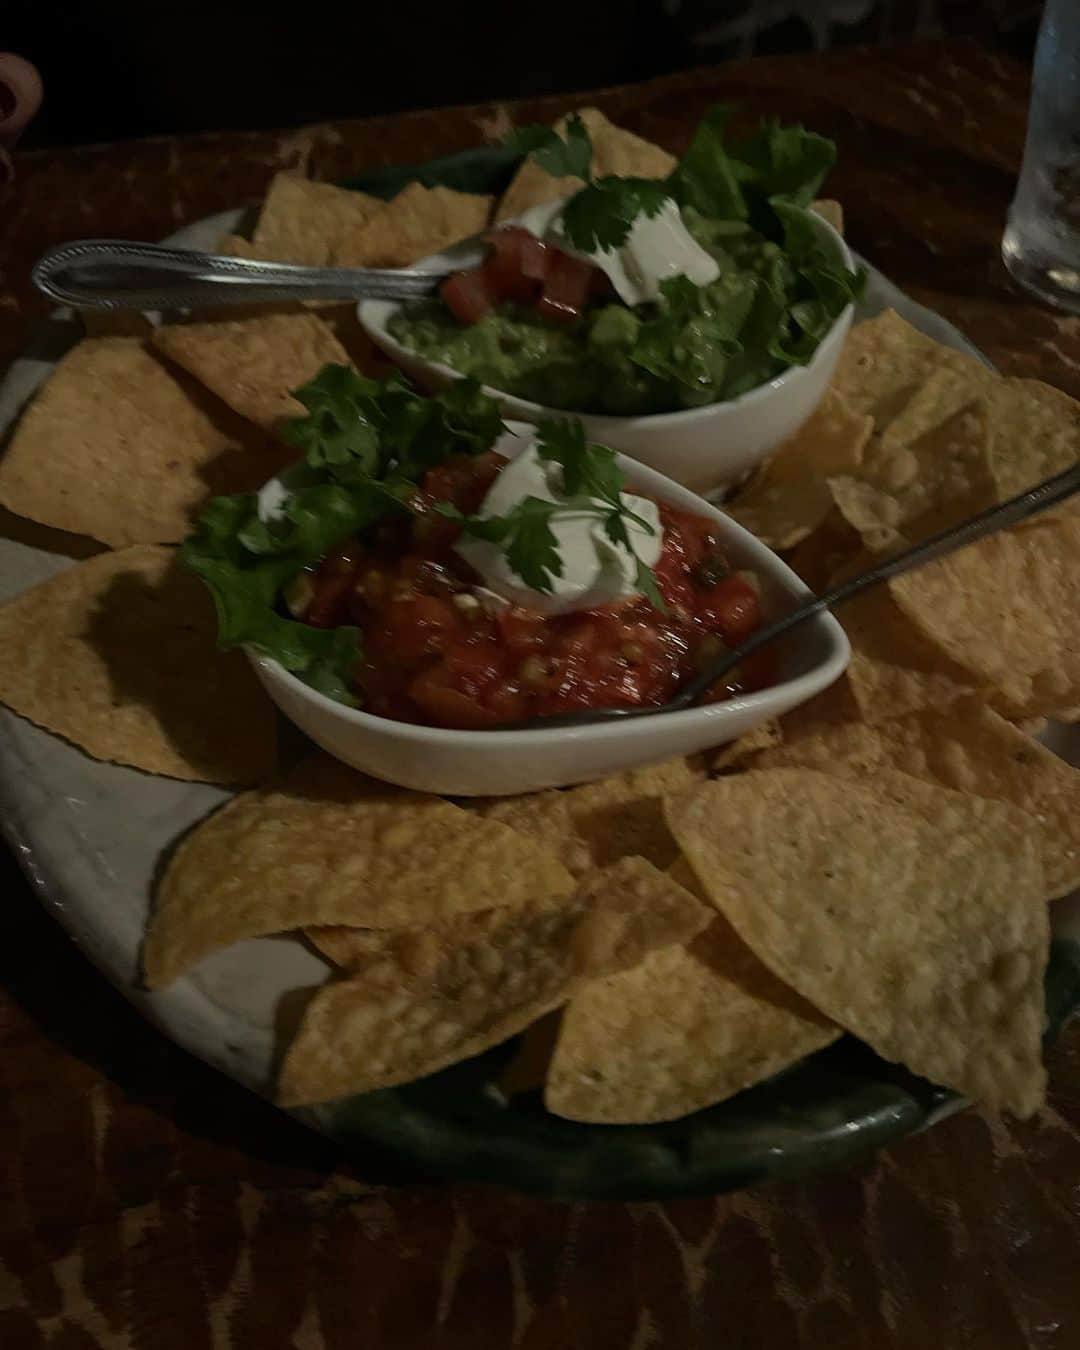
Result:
[
  {"x": 595, "y": 571},
  {"x": 656, "y": 249}
]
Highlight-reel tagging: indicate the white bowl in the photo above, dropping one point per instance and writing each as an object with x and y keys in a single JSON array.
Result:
[
  {"x": 701, "y": 448},
  {"x": 498, "y": 763}
]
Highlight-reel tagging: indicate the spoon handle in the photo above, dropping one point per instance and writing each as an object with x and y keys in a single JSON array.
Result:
[
  {"x": 113, "y": 274},
  {"x": 1021, "y": 507}
]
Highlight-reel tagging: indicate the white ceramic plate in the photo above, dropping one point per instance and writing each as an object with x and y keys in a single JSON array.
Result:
[{"x": 91, "y": 835}]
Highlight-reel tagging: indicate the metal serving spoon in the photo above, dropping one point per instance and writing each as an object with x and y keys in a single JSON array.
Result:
[
  {"x": 114, "y": 274},
  {"x": 1016, "y": 509}
]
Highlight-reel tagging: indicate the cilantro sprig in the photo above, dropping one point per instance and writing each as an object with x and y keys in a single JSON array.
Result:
[
  {"x": 601, "y": 215},
  {"x": 592, "y": 484},
  {"x": 564, "y": 156}
]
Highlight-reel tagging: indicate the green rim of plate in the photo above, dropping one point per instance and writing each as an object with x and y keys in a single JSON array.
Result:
[{"x": 823, "y": 1113}]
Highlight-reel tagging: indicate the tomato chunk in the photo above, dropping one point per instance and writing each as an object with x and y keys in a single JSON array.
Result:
[
  {"x": 566, "y": 288},
  {"x": 436, "y": 693},
  {"x": 417, "y": 626},
  {"x": 469, "y": 295},
  {"x": 731, "y": 608},
  {"x": 518, "y": 263}
]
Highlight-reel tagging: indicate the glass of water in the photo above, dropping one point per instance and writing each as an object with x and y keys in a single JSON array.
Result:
[{"x": 1041, "y": 245}]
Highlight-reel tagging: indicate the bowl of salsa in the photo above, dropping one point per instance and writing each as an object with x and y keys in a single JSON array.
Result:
[{"x": 454, "y": 645}]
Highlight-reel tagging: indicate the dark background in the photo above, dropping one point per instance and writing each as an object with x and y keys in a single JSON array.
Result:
[{"x": 116, "y": 69}]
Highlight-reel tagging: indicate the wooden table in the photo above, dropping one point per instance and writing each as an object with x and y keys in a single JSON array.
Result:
[{"x": 146, "y": 1202}]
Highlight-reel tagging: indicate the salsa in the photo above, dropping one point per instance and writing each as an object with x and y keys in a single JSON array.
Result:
[{"x": 433, "y": 651}]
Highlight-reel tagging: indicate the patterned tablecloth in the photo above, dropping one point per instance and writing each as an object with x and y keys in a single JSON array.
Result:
[{"x": 146, "y": 1202}]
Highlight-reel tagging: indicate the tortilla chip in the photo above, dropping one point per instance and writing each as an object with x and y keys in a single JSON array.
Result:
[
  {"x": 765, "y": 736},
  {"x": 789, "y": 498},
  {"x": 931, "y": 468},
  {"x": 623, "y": 815},
  {"x": 116, "y": 323},
  {"x": 895, "y": 668},
  {"x": 615, "y": 152},
  {"x": 340, "y": 317},
  {"x": 690, "y": 1026},
  {"x": 117, "y": 447},
  {"x": 599, "y": 823},
  {"x": 329, "y": 846},
  {"x": 821, "y": 556},
  {"x": 831, "y": 212},
  {"x": 438, "y": 999},
  {"x": 417, "y": 222},
  {"x": 1006, "y": 610},
  {"x": 832, "y": 707},
  {"x": 1036, "y": 434},
  {"x": 349, "y": 947},
  {"x": 119, "y": 656},
  {"x": 971, "y": 749},
  {"x": 926, "y": 938},
  {"x": 545, "y": 817},
  {"x": 235, "y": 246},
  {"x": 253, "y": 364},
  {"x": 307, "y": 222},
  {"x": 884, "y": 361}
]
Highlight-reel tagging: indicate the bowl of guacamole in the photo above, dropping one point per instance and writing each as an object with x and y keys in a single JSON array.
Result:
[{"x": 692, "y": 322}]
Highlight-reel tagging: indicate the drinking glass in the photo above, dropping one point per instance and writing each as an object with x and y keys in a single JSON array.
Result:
[{"x": 1041, "y": 244}]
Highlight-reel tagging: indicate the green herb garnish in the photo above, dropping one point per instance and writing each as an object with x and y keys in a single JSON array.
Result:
[
  {"x": 565, "y": 156},
  {"x": 366, "y": 444},
  {"x": 601, "y": 214},
  {"x": 738, "y": 182},
  {"x": 593, "y": 485}
]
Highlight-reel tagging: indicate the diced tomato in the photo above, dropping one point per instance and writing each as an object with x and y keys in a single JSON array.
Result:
[
  {"x": 329, "y": 603},
  {"x": 517, "y": 264},
  {"x": 566, "y": 288},
  {"x": 696, "y": 534},
  {"x": 600, "y": 287},
  {"x": 731, "y": 608},
  {"x": 332, "y": 586},
  {"x": 475, "y": 665},
  {"x": 521, "y": 629},
  {"x": 436, "y": 693},
  {"x": 417, "y": 626},
  {"x": 507, "y": 702},
  {"x": 463, "y": 480},
  {"x": 469, "y": 295}
]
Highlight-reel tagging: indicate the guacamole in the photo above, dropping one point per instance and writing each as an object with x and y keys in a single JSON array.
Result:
[{"x": 693, "y": 346}]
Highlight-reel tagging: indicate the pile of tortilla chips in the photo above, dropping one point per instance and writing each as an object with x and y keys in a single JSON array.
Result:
[
  {"x": 878, "y": 863},
  {"x": 911, "y": 438}
]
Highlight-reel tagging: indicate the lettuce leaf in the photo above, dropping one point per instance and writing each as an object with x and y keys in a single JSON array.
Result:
[
  {"x": 365, "y": 445},
  {"x": 737, "y": 182}
]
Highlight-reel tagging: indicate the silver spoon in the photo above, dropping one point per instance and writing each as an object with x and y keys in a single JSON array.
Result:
[
  {"x": 114, "y": 274},
  {"x": 1016, "y": 509}
]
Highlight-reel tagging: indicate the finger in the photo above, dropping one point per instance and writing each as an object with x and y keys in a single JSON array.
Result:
[{"x": 20, "y": 96}]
